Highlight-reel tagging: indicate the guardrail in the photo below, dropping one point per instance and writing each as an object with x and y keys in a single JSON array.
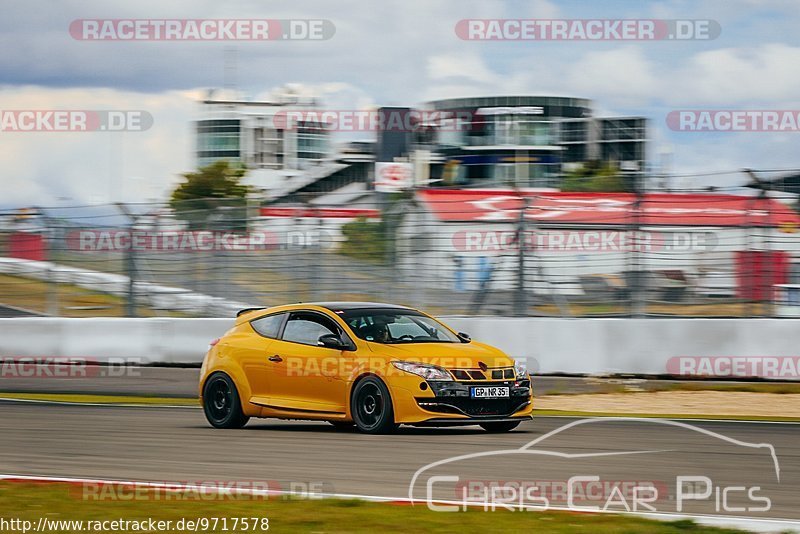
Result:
[{"x": 551, "y": 345}]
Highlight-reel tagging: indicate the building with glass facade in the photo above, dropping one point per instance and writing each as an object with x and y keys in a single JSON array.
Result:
[
  {"x": 494, "y": 141},
  {"x": 527, "y": 141},
  {"x": 246, "y": 132}
]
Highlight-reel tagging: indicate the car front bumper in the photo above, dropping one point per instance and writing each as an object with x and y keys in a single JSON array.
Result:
[{"x": 451, "y": 403}]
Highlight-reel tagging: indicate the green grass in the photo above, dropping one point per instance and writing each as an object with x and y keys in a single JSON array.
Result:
[{"x": 30, "y": 501}]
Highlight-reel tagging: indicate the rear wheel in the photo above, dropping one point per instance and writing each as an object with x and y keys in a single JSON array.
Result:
[
  {"x": 371, "y": 406},
  {"x": 221, "y": 403},
  {"x": 502, "y": 426}
]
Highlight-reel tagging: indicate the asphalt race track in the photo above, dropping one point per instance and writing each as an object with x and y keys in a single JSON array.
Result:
[
  {"x": 177, "y": 445},
  {"x": 182, "y": 382}
]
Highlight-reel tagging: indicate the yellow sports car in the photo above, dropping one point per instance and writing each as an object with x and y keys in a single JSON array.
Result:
[{"x": 371, "y": 365}]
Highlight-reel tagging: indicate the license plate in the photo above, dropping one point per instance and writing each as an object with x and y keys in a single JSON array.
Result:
[{"x": 489, "y": 392}]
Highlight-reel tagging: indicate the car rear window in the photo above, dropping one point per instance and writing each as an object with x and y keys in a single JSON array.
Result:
[{"x": 269, "y": 326}]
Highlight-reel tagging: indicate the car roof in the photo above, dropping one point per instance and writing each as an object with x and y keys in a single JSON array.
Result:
[
  {"x": 344, "y": 306},
  {"x": 249, "y": 313}
]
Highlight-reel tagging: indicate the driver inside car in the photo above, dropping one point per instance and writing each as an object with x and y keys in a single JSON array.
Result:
[{"x": 378, "y": 331}]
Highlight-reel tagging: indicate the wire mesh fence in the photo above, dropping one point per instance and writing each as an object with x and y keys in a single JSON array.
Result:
[{"x": 453, "y": 252}]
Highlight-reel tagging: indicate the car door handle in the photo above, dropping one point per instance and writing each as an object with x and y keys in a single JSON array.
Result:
[{"x": 275, "y": 358}]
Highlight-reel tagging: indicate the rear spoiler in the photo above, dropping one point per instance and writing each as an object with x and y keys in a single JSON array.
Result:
[{"x": 248, "y": 310}]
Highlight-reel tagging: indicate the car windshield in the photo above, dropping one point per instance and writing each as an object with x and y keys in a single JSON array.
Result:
[{"x": 394, "y": 326}]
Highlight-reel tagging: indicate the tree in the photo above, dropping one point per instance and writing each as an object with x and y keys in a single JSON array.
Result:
[
  {"x": 365, "y": 240},
  {"x": 213, "y": 194},
  {"x": 595, "y": 176},
  {"x": 375, "y": 240}
]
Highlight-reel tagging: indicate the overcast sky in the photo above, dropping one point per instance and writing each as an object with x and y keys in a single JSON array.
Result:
[{"x": 383, "y": 53}]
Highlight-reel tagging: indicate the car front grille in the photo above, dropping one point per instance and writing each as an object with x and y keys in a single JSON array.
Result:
[
  {"x": 478, "y": 374},
  {"x": 473, "y": 407}
]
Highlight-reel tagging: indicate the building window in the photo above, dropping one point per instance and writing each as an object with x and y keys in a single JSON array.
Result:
[{"x": 218, "y": 139}]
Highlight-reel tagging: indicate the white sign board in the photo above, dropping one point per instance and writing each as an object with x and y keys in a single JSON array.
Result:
[{"x": 392, "y": 176}]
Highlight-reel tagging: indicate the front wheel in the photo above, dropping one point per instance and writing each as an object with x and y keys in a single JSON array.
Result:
[
  {"x": 371, "y": 406},
  {"x": 502, "y": 426},
  {"x": 221, "y": 403}
]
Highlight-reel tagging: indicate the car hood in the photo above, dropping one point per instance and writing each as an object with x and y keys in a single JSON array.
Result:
[{"x": 447, "y": 355}]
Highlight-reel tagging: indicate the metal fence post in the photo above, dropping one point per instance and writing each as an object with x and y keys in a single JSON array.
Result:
[
  {"x": 637, "y": 290},
  {"x": 130, "y": 262},
  {"x": 520, "y": 298}
]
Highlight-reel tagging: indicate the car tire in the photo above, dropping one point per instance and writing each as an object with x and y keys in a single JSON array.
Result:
[
  {"x": 501, "y": 426},
  {"x": 371, "y": 407},
  {"x": 221, "y": 402}
]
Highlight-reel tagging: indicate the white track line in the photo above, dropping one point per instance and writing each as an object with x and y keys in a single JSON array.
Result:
[{"x": 751, "y": 523}]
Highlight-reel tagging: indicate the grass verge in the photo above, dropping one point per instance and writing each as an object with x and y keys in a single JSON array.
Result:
[{"x": 56, "y": 501}]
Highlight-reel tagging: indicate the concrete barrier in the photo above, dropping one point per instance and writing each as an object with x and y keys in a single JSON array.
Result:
[
  {"x": 633, "y": 346},
  {"x": 551, "y": 345},
  {"x": 149, "y": 341}
]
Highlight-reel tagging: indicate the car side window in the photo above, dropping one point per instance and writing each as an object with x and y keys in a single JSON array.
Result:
[
  {"x": 269, "y": 326},
  {"x": 306, "y": 328}
]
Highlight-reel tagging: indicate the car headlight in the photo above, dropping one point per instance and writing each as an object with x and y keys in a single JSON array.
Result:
[
  {"x": 521, "y": 369},
  {"x": 426, "y": 371}
]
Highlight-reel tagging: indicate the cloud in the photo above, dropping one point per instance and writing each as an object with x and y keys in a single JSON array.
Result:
[
  {"x": 394, "y": 52},
  {"x": 468, "y": 66},
  {"x": 622, "y": 76},
  {"x": 95, "y": 167},
  {"x": 737, "y": 76}
]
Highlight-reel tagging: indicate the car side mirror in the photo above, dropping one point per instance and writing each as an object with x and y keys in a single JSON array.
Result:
[
  {"x": 331, "y": 341},
  {"x": 464, "y": 337}
]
